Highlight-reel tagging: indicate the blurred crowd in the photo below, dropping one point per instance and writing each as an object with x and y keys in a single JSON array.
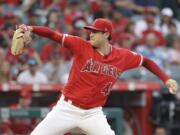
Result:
[{"x": 150, "y": 27}]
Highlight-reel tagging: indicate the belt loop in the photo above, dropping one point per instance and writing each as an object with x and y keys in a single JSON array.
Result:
[
  {"x": 66, "y": 99},
  {"x": 62, "y": 97},
  {"x": 69, "y": 101}
]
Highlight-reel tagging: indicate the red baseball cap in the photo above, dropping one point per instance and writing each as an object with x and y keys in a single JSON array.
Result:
[{"x": 101, "y": 24}]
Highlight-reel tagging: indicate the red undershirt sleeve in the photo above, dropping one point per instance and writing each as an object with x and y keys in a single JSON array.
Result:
[
  {"x": 75, "y": 44},
  {"x": 155, "y": 69},
  {"x": 48, "y": 33}
]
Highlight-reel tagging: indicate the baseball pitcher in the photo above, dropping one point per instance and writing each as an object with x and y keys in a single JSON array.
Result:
[{"x": 96, "y": 67}]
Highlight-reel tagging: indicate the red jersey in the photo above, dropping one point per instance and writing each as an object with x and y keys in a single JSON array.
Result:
[{"x": 93, "y": 74}]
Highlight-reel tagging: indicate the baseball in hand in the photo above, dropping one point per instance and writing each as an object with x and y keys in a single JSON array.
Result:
[{"x": 172, "y": 86}]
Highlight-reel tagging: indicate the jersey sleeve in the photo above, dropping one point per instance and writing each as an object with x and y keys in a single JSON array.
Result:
[
  {"x": 74, "y": 43},
  {"x": 132, "y": 60}
]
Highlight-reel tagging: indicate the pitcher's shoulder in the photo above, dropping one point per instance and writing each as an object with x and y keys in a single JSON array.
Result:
[{"x": 120, "y": 50}]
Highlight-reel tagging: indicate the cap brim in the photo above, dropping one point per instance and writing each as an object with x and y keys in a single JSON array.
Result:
[{"x": 92, "y": 28}]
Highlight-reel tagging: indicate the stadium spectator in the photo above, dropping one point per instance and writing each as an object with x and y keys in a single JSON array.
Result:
[
  {"x": 171, "y": 35},
  {"x": 2, "y": 54},
  {"x": 55, "y": 4},
  {"x": 167, "y": 20},
  {"x": 48, "y": 50},
  {"x": 31, "y": 5},
  {"x": 173, "y": 61},
  {"x": 150, "y": 49},
  {"x": 29, "y": 53},
  {"x": 126, "y": 40},
  {"x": 118, "y": 21},
  {"x": 129, "y": 6},
  {"x": 78, "y": 24},
  {"x": 95, "y": 5},
  {"x": 161, "y": 41},
  {"x": 174, "y": 52},
  {"x": 74, "y": 10},
  {"x": 53, "y": 20},
  {"x": 173, "y": 4},
  {"x": 32, "y": 75},
  {"x": 4, "y": 40},
  {"x": 19, "y": 63},
  {"x": 5, "y": 75},
  {"x": 104, "y": 11},
  {"x": 13, "y": 2},
  {"x": 33, "y": 19},
  {"x": 151, "y": 28},
  {"x": 57, "y": 69},
  {"x": 149, "y": 16},
  {"x": 130, "y": 28}
]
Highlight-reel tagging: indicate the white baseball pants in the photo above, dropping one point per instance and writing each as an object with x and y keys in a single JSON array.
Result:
[{"x": 65, "y": 116}]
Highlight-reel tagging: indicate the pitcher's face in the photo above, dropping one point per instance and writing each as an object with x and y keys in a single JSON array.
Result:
[{"x": 97, "y": 38}]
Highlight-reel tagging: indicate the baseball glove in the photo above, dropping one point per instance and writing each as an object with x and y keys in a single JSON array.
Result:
[{"x": 20, "y": 40}]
